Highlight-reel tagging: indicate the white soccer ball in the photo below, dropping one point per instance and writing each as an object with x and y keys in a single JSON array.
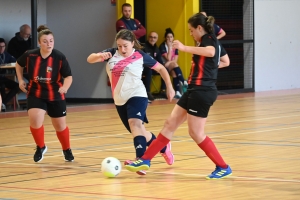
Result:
[{"x": 111, "y": 167}]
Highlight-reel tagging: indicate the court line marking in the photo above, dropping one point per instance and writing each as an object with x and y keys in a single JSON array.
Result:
[
  {"x": 181, "y": 127},
  {"x": 217, "y": 136},
  {"x": 168, "y": 173}
]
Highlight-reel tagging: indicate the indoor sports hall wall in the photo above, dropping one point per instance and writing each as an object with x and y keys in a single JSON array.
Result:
[
  {"x": 277, "y": 44},
  {"x": 80, "y": 28},
  {"x": 15, "y": 13}
]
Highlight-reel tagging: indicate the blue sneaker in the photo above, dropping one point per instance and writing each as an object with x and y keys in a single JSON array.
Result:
[
  {"x": 138, "y": 165},
  {"x": 220, "y": 173}
]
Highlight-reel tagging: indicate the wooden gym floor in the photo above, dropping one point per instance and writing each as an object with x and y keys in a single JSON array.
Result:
[{"x": 258, "y": 134}]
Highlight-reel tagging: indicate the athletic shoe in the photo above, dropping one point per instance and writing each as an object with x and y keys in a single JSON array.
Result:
[
  {"x": 220, "y": 173},
  {"x": 39, "y": 153},
  {"x": 138, "y": 165},
  {"x": 177, "y": 95},
  {"x": 141, "y": 172},
  {"x": 68, "y": 155},
  {"x": 168, "y": 155}
]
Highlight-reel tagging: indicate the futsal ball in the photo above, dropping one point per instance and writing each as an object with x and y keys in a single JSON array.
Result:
[{"x": 111, "y": 167}]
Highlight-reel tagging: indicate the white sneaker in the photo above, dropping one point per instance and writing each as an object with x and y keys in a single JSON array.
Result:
[{"x": 177, "y": 95}]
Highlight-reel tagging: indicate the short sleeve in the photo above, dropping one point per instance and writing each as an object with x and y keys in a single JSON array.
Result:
[
  {"x": 111, "y": 50},
  {"x": 22, "y": 59},
  {"x": 223, "y": 51},
  {"x": 208, "y": 40},
  {"x": 148, "y": 60},
  {"x": 162, "y": 48},
  {"x": 65, "y": 70},
  {"x": 217, "y": 29}
]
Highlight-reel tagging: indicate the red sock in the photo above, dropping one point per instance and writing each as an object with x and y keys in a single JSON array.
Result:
[
  {"x": 160, "y": 142},
  {"x": 38, "y": 136},
  {"x": 64, "y": 138},
  {"x": 208, "y": 146}
]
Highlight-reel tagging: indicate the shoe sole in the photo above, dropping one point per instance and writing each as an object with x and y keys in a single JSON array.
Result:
[
  {"x": 135, "y": 169},
  {"x": 67, "y": 160},
  {"x": 141, "y": 172},
  {"x": 43, "y": 154},
  {"x": 218, "y": 178}
]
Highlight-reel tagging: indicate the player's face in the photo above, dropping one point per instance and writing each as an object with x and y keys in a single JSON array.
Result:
[
  {"x": 152, "y": 39},
  {"x": 170, "y": 37},
  {"x": 127, "y": 12},
  {"x": 195, "y": 32},
  {"x": 46, "y": 43},
  {"x": 125, "y": 47},
  {"x": 2, "y": 47}
]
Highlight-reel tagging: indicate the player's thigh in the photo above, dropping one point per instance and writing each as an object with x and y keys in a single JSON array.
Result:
[
  {"x": 200, "y": 101},
  {"x": 57, "y": 110},
  {"x": 36, "y": 111},
  {"x": 136, "y": 112}
]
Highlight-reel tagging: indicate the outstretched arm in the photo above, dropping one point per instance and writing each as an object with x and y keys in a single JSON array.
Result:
[
  {"x": 208, "y": 51},
  {"x": 98, "y": 57}
]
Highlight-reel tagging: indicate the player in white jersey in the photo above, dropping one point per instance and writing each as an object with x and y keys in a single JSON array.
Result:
[{"x": 124, "y": 67}]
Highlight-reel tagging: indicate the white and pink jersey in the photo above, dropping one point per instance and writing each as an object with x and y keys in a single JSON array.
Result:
[{"x": 125, "y": 74}]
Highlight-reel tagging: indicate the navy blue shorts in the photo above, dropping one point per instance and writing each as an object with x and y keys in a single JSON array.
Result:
[
  {"x": 55, "y": 109},
  {"x": 135, "y": 107},
  {"x": 197, "y": 101}
]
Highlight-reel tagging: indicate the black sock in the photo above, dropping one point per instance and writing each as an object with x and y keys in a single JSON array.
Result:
[
  {"x": 178, "y": 73},
  {"x": 176, "y": 84},
  {"x": 140, "y": 145},
  {"x": 152, "y": 139}
]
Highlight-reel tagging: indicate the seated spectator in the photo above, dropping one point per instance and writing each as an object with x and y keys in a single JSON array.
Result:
[
  {"x": 151, "y": 48},
  {"x": 170, "y": 57},
  {"x": 219, "y": 32},
  {"x": 5, "y": 82},
  {"x": 5, "y": 57},
  {"x": 21, "y": 42}
]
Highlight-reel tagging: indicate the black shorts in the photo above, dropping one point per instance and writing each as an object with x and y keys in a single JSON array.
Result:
[
  {"x": 135, "y": 107},
  {"x": 54, "y": 109},
  {"x": 197, "y": 101}
]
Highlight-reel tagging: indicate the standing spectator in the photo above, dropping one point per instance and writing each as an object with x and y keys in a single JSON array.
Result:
[
  {"x": 124, "y": 68},
  {"x": 194, "y": 105},
  {"x": 219, "y": 32},
  {"x": 49, "y": 79},
  {"x": 21, "y": 42},
  {"x": 126, "y": 22},
  {"x": 6, "y": 83},
  {"x": 170, "y": 56}
]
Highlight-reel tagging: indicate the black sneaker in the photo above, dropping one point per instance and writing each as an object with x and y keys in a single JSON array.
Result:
[
  {"x": 150, "y": 96},
  {"x": 68, "y": 155},
  {"x": 39, "y": 153}
]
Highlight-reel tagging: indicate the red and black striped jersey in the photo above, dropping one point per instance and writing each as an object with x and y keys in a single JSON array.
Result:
[
  {"x": 204, "y": 70},
  {"x": 45, "y": 75}
]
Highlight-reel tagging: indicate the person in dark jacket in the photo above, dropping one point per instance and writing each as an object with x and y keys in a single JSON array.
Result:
[{"x": 21, "y": 42}]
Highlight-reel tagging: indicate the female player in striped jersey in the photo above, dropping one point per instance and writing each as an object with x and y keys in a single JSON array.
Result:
[
  {"x": 194, "y": 105},
  {"x": 49, "y": 79},
  {"x": 124, "y": 67}
]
